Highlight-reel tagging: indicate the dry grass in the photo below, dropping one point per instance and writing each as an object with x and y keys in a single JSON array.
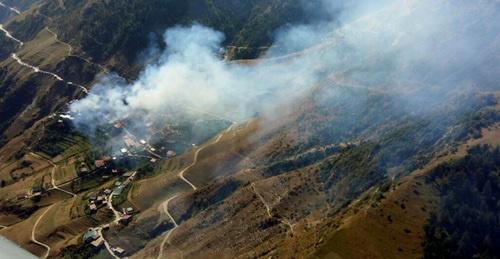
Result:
[
  {"x": 21, "y": 234},
  {"x": 393, "y": 228}
]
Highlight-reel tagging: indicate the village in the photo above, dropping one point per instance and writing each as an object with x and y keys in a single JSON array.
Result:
[{"x": 104, "y": 183}]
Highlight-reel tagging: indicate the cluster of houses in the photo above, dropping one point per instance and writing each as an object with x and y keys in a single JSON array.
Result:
[
  {"x": 93, "y": 238},
  {"x": 97, "y": 200},
  {"x": 131, "y": 144},
  {"x": 104, "y": 162}
]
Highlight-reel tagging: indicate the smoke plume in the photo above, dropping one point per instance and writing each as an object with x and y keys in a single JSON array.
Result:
[{"x": 412, "y": 46}]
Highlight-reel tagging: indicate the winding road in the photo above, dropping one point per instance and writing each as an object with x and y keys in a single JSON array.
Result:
[
  {"x": 37, "y": 69},
  {"x": 33, "y": 238},
  {"x": 165, "y": 239},
  {"x": 195, "y": 158},
  {"x": 106, "y": 244},
  {"x": 7, "y": 33},
  {"x": 164, "y": 205},
  {"x": 10, "y": 8}
]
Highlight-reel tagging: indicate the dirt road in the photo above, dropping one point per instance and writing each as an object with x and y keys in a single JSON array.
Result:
[
  {"x": 33, "y": 238},
  {"x": 165, "y": 239},
  {"x": 181, "y": 175},
  {"x": 52, "y": 174}
]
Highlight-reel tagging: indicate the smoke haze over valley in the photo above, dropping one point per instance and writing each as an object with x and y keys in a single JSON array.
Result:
[
  {"x": 250, "y": 129},
  {"x": 418, "y": 48}
]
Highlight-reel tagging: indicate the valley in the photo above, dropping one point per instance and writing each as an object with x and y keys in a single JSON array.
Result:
[{"x": 132, "y": 129}]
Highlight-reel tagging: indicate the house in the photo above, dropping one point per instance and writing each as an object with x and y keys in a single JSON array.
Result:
[
  {"x": 93, "y": 207},
  {"x": 114, "y": 171},
  {"x": 171, "y": 153},
  {"x": 107, "y": 191},
  {"x": 126, "y": 219},
  {"x": 36, "y": 190},
  {"x": 99, "y": 163},
  {"x": 91, "y": 234},
  {"x": 130, "y": 210},
  {"x": 118, "y": 250},
  {"x": 129, "y": 141},
  {"x": 143, "y": 141},
  {"x": 92, "y": 197},
  {"x": 100, "y": 198},
  {"x": 117, "y": 191},
  {"x": 98, "y": 242},
  {"x": 153, "y": 160}
]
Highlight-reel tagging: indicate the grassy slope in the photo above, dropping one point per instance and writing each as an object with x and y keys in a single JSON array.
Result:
[{"x": 368, "y": 227}]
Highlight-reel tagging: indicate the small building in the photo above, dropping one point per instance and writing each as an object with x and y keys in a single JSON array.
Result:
[
  {"x": 99, "y": 163},
  {"x": 117, "y": 191},
  {"x": 114, "y": 171},
  {"x": 107, "y": 191},
  {"x": 153, "y": 160},
  {"x": 126, "y": 219},
  {"x": 36, "y": 189},
  {"x": 171, "y": 153},
  {"x": 98, "y": 242},
  {"x": 143, "y": 141},
  {"x": 84, "y": 170},
  {"x": 91, "y": 234},
  {"x": 124, "y": 150},
  {"x": 129, "y": 210},
  {"x": 118, "y": 250},
  {"x": 92, "y": 196},
  {"x": 100, "y": 198},
  {"x": 93, "y": 207},
  {"x": 129, "y": 141},
  {"x": 118, "y": 183}
]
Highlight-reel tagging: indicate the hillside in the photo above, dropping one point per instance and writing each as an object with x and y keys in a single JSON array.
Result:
[
  {"x": 250, "y": 129},
  {"x": 98, "y": 36}
]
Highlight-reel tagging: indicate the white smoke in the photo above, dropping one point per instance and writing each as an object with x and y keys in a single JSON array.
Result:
[{"x": 400, "y": 45}]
